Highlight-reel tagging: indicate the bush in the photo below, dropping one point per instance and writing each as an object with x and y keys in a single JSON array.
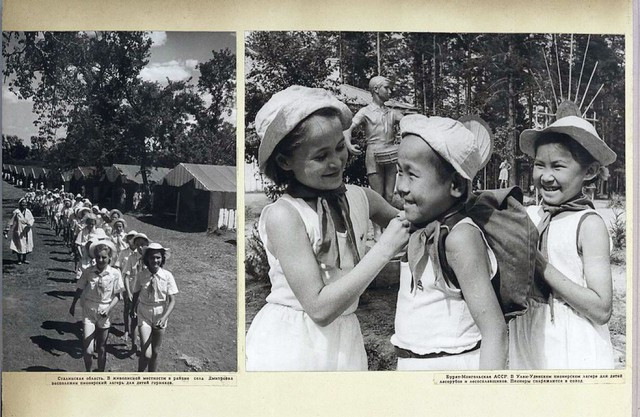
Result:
[
  {"x": 256, "y": 262},
  {"x": 618, "y": 229}
]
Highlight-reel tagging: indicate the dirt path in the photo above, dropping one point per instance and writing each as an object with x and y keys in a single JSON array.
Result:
[{"x": 40, "y": 335}]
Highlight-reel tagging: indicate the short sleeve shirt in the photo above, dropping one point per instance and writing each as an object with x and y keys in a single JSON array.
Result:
[
  {"x": 134, "y": 265},
  {"x": 378, "y": 123},
  {"x": 100, "y": 287},
  {"x": 154, "y": 288}
]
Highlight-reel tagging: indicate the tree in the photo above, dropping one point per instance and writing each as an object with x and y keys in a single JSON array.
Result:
[
  {"x": 13, "y": 148},
  {"x": 277, "y": 60},
  {"x": 218, "y": 81},
  {"x": 89, "y": 84}
]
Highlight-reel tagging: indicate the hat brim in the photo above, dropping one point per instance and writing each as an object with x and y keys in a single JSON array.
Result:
[
  {"x": 104, "y": 242},
  {"x": 279, "y": 128},
  {"x": 123, "y": 221},
  {"x": 166, "y": 251},
  {"x": 593, "y": 144}
]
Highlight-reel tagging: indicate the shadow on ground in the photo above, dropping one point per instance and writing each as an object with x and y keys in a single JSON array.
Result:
[{"x": 57, "y": 347}]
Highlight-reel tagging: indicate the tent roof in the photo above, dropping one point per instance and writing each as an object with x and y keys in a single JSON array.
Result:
[
  {"x": 360, "y": 97},
  {"x": 83, "y": 172},
  {"x": 39, "y": 172},
  {"x": 207, "y": 177},
  {"x": 131, "y": 173}
]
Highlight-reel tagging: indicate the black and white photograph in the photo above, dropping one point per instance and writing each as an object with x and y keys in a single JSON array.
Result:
[
  {"x": 434, "y": 201},
  {"x": 119, "y": 201}
]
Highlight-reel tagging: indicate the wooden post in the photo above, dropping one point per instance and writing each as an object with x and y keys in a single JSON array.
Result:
[{"x": 177, "y": 206}]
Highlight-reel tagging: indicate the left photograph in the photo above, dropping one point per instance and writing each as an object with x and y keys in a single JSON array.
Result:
[{"x": 119, "y": 201}]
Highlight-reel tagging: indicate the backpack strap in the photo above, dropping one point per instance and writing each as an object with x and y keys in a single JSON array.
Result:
[{"x": 445, "y": 227}]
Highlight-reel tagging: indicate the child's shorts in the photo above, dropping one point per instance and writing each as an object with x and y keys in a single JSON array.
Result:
[
  {"x": 148, "y": 315},
  {"x": 90, "y": 314}
]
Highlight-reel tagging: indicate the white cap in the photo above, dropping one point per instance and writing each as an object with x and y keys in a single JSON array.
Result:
[
  {"x": 286, "y": 109},
  {"x": 466, "y": 152}
]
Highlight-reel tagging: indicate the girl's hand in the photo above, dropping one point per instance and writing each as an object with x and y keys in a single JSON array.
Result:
[
  {"x": 162, "y": 323},
  {"x": 354, "y": 149},
  {"x": 103, "y": 311},
  {"x": 396, "y": 236}
]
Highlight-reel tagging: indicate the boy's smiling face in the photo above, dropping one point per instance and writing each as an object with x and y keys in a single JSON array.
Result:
[{"x": 425, "y": 190}]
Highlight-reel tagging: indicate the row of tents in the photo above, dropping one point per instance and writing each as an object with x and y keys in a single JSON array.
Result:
[{"x": 200, "y": 197}]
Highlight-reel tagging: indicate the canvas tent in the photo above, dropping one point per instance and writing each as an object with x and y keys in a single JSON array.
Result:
[
  {"x": 127, "y": 179},
  {"x": 196, "y": 194}
]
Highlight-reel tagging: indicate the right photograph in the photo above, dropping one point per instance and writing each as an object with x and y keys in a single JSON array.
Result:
[{"x": 434, "y": 201}]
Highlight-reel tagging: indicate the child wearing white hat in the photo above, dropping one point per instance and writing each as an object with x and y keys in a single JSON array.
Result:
[
  {"x": 314, "y": 236},
  {"x": 155, "y": 292},
  {"x": 121, "y": 262},
  {"x": 565, "y": 326},
  {"x": 438, "y": 325},
  {"x": 99, "y": 289},
  {"x": 132, "y": 267}
]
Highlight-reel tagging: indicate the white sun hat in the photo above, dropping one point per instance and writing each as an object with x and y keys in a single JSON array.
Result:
[{"x": 577, "y": 129}]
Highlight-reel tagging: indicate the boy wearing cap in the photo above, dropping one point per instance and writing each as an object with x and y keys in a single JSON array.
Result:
[
  {"x": 379, "y": 122},
  {"x": 438, "y": 325}
]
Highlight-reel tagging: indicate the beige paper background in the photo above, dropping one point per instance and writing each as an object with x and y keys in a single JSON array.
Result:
[{"x": 319, "y": 394}]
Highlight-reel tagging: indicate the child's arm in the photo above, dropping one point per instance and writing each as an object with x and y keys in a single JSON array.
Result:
[
  {"x": 134, "y": 304},
  {"x": 162, "y": 322},
  {"x": 380, "y": 211},
  {"x": 467, "y": 255},
  {"x": 76, "y": 296},
  {"x": 289, "y": 242},
  {"x": 595, "y": 300}
]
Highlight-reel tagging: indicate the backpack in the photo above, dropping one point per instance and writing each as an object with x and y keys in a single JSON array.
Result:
[{"x": 513, "y": 238}]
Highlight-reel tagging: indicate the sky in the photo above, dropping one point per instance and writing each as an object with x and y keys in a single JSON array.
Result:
[{"x": 174, "y": 55}]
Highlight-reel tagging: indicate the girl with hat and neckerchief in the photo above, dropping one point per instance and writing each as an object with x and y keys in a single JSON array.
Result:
[
  {"x": 20, "y": 232},
  {"x": 87, "y": 232},
  {"x": 155, "y": 292},
  {"x": 99, "y": 289},
  {"x": 123, "y": 257},
  {"x": 315, "y": 236},
  {"x": 132, "y": 267},
  {"x": 565, "y": 326}
]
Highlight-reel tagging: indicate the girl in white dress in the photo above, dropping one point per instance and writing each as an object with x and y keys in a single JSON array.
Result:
[
  {"x": 314, "y": 236},
  {"x": 566, "y": 325}
]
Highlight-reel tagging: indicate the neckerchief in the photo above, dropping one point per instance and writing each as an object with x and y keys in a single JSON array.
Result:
[
  {"x": 328, "y": 253},
  {"x": 578, "y": 203},
  {"x": 101, "y": 284},
  {"x": 152, "y": 285},
  {"x": 423, "y": 244}
]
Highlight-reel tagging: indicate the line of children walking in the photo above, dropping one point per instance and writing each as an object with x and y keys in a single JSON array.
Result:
[
  {"x": 314, "y": 236},
  {"x": 113, "y": 264}
]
